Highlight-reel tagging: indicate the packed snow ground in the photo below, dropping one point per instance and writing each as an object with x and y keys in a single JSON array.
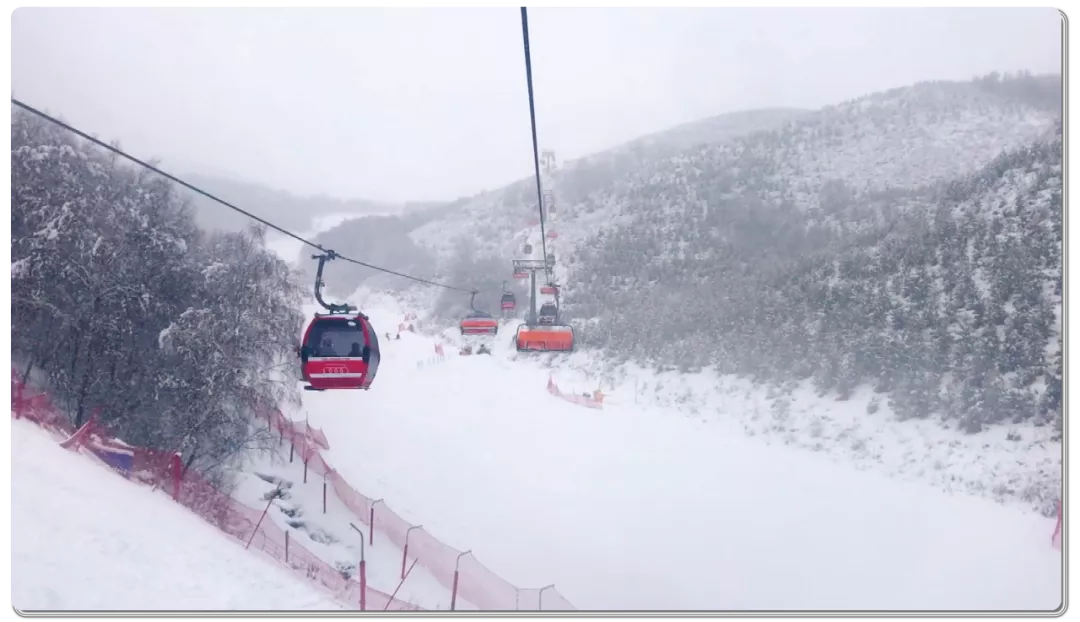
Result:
[
  {"x": 641, "y": 507},
  {"x": 85, "y": 538},
  {"x": 1017, "y": 464}
]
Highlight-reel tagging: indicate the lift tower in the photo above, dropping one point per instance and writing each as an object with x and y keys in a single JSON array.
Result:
[
  {"x": 531, "y": 267},
  {"x": 547, "y": 182}
]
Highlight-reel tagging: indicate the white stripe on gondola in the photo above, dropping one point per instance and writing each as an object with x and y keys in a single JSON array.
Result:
[{"x": 336, "y": 375}]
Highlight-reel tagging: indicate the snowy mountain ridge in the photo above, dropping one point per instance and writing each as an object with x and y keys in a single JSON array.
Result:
[{"x": 902, "y": 138}]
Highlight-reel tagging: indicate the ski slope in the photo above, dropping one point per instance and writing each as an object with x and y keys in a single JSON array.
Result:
[
  {"x": 85, "y": 538},
  {"x": 641, "y": 508}
]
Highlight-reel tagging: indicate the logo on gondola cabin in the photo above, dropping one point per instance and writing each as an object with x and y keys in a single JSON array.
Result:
[{"x": 335, "y": 369}]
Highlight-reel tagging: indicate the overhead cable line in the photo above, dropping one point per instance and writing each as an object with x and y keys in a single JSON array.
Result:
[
  {"x": 173, "y": 178},
  {"x": 532, "y": 119}
]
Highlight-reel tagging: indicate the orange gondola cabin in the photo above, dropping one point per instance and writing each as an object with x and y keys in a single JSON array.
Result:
[
  {"x": 544, "y": 338},
  {"x": 479, "y": 323}
]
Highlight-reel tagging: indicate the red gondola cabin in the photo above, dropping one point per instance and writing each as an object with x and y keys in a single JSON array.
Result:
[
  {"x": 548, "y": 314},
  {"x": 339, "y": 352}
]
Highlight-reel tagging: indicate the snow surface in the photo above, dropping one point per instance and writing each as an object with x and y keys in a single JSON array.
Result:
[
  {"x": 330, "y": 536},
  {"x": 1017, "y": 463},
  {"x": 85, "y": 538},
  {"x": 638, "y": 506}
]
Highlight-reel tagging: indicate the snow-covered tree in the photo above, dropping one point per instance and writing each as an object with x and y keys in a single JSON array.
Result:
[{"x": 175, "y": 338}]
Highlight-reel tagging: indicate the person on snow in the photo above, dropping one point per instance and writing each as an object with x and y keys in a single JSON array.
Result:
[{"x": 483, "y": 349}]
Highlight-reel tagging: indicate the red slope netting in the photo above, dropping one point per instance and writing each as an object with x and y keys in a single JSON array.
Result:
[
  {"x": 595, "y": 401},
  {"x": 476, "y": 583},
  {"x": 192, "y": 491}
]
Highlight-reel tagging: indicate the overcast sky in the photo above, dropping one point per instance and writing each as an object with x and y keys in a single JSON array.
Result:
[{"x": 432, "y": 104}]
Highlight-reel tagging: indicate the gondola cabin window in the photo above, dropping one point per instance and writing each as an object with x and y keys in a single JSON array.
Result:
[{"x": 337, "y": 338}]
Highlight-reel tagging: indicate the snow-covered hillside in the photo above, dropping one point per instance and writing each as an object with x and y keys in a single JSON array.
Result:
[
  {"x": 637, "y": 506},
  {"x": 290, "y": 249},
  {"x": 84, "y": 538},
  {"x": 903, "y": 138}
]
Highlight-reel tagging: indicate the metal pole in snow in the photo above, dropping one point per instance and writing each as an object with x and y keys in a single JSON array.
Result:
[
  {"x": 540, "y": 597},
  {"x": 453, "y": 592},
  {"x": 405, "y": 551},
  {"x": 371, "y": 520},
  {"x": 400, "y": 583},
  {"x": 362, "y": 570},
  {"x": 256, "y": 530}
]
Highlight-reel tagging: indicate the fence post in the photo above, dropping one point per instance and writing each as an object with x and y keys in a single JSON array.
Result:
[
  {"x": 362, "y": 570},
  {"x": 371, "y": 522},
  {"x": 176, "y": 462},
  {"x": 405, "y": 551},
  {"x": 286, "y": 546},
  {"x": 453, "y": 590},
  {"x": 292, "y": 448},
  {"x": 540, "y": 597},
  {"x": 324, "y": 493},
  {"x": 256, "y": 530},
  {"x": 19, "y": 404},
  {"x": 305, "y": 467},
  {"x": 393, "y": 595}
]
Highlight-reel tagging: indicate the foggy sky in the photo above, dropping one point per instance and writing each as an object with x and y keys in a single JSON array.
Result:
[{"x": 409, "y": 104}]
